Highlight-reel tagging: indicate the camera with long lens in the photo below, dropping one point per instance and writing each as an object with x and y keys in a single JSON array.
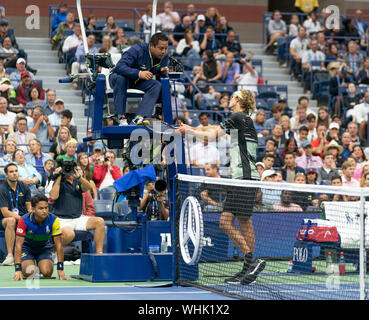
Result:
[
  {"x": 67, "y": 166},
  {"x": 159, "y": 187}
]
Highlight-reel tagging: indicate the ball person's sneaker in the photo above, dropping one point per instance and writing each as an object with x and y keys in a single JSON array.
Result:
[
  {"x": 9, "y": 260},
  {"x": 254, "y": 269}
]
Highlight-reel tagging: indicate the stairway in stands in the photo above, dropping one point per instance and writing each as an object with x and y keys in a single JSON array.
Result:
[
  {"x": 278, "y": 76},
  {"x": 42, "y": 58}
]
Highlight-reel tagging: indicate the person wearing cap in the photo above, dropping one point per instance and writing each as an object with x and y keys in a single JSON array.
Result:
[
  {"x": 269, "y": 197},
  {"x": 333, "y": 133},
  {"x": 311, "y": 176},
  {"x": 307, "y": 159},
  {"x": 328, "y": 171},
  {"x": 200, "y": 28},
  {"x": 16, "y": 76},
  {"x": 98, "y": 150},
  {"x": 55, "y": 117},
  {"x": 260, "y": 166},
  {"x": 25, "y": 88},
  {"x": 6, "y": 32}
]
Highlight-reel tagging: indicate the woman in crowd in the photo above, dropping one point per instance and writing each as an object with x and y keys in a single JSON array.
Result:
[
  {"x": 276, "y": 28},
  {"x": 323, "y": 117},
  {"x": 10, "y": 146},
  {"x": 188, "y": 47},
  {"x": 107, "y": 45},
  {"x": 27, "y": 173},
  {"x": 290, "y": 145},
  {"x": 259, "y": 124},
  {"x": 59, "y": 147},
  {"x": 92, "y": 29},
  {"x": 34, "y": 96},
  {"x": 84, "y": 164},
  {"x": 294, "y": 26},
  {"x": 110, "y": 28},
  {"x": 121, "y": 41},
  {"x": 212, "y": 17},
  {"x": 286, "y": 126},
  {"x": 312, "y": 24},
  {"x": 211, "y": 69},
  {"x": 3, "y": 73}
]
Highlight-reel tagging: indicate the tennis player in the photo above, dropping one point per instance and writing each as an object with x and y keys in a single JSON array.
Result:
[
  {"x": 33, "y": 243},
  {"x": 240, "y": 200}
]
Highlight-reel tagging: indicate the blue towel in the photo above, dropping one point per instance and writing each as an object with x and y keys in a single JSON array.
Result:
[{"x": 135, "y": 177}]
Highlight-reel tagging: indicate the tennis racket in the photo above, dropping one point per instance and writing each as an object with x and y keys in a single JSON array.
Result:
[{"x": 158, "y": 127}]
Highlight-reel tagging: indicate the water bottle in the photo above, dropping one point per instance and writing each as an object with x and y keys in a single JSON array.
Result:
[
  {"x": 164, "y": 245},
  {"x": 329, "y": 269},
  {"x": 290, "y": 266},
  {"x": 341, "y": 266}
]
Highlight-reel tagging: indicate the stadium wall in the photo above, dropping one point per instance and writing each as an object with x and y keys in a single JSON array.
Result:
[{"x": 244, "y": 15}]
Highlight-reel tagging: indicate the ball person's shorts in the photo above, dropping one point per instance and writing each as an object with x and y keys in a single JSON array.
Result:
[
  {"x": 240, "y": 200},
  {"x": 37, "y": 254}
]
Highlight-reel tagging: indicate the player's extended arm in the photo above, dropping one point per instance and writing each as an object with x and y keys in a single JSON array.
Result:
[{"x": 212, "y": 132}]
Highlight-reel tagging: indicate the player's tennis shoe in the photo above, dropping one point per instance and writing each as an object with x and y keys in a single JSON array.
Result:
[
  {"x": 236, "y": 278},
  {"x": 251, "y": 274}
]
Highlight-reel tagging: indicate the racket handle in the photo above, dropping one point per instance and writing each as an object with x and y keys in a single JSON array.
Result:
[{"x": 65, "y": 80}]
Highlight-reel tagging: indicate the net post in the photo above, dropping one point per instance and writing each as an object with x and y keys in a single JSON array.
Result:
[{"x": 362, "y": 255}]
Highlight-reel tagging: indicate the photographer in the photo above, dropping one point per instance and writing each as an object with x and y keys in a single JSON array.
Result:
[
  {"x": 105, "y": 172},
  {"x": 153, "y": 203},
  {"x": 67, "y": 198}
]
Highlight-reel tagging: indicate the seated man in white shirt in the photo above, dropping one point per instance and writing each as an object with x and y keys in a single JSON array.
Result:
[
  {"x": 248, "y": 79},
  {"x": 360, "y": 115},
  {"x": 6, "y": 117},
  {"x": 169, "y": 18},
  {"x": 72, "y": 42},
  {"x": 203, "y": 152}
]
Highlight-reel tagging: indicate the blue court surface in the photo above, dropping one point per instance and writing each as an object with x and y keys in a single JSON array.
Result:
[{"x": 108, "y": 293}]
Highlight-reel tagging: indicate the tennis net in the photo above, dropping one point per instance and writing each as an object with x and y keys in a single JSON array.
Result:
[{"x": 307, "y": 241}]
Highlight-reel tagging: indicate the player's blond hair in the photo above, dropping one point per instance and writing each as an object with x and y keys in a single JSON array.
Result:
[{"x": 247, "y": 100}]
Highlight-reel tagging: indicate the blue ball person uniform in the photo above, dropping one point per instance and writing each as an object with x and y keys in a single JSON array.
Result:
[
  {"x": 125, "y": 76},
  {"x": 37, "y": 245}
]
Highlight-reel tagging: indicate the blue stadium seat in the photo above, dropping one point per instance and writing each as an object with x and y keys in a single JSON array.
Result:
[
  {"x": 261, "y": 104},
  {"x": 104, "y": 208},
  {"x": 107, "y": 194},
  {"x": 266, "y": 92},
  {"x": 271, "y": 102},
  {"x": 9, "y": 71},
  {"x": 187, "y": 103},
  {"x": 125, "y": 25}
]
